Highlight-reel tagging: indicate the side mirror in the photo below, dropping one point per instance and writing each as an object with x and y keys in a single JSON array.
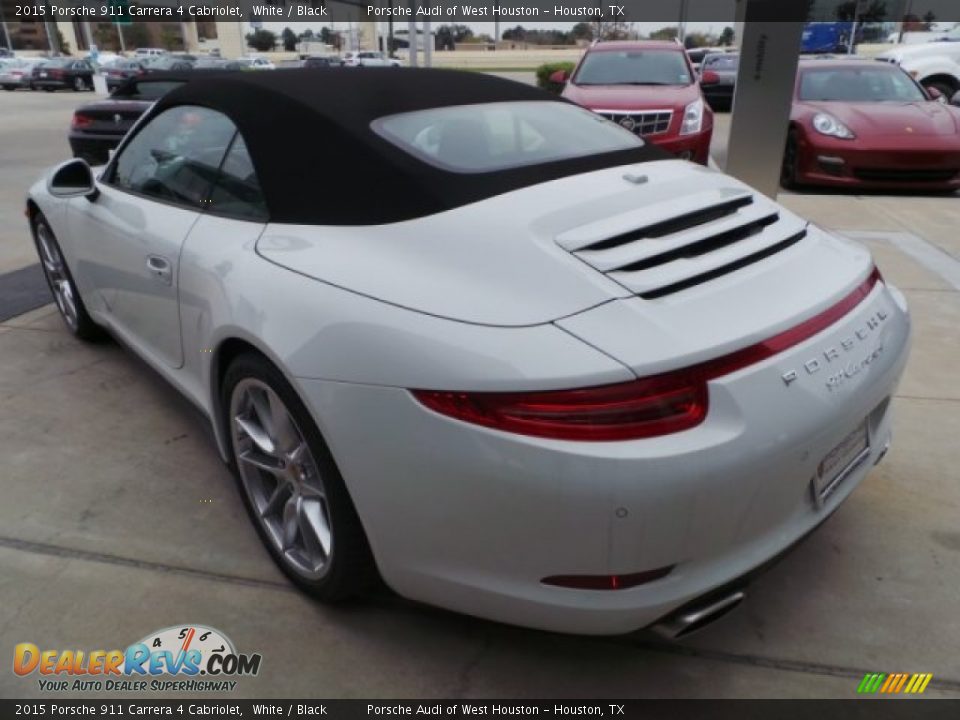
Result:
[
  {"x": 709, "y": 77},
  {"x": 956, "y": 99},
  {"x": 73, "y": 178},
  {"x": 935, "y": 94},
  {"x": 559, "y": 77}
]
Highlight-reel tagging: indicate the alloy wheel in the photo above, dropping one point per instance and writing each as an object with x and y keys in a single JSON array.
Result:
[
  {"x": 281, "y": 478},
  {"x": 56, "y": 271}
]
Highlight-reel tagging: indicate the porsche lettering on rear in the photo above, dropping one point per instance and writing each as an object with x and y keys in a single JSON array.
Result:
[{"x": 837, "y": 354}]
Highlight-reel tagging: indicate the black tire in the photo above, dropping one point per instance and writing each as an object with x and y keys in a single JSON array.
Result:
[
  {"x": 78, "y": 84},
  {"x": 788, "y": 166},
  {"x": 350, "y": 571},
  {"x": 9, "y": 88},
  {"x": 83, "y": 326}
]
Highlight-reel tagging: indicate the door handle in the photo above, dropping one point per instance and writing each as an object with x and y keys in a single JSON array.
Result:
[{"x": 160, "y": 269}]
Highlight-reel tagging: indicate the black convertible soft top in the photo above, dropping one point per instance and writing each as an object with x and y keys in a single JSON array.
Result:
[{"x": 320, "y": 163}]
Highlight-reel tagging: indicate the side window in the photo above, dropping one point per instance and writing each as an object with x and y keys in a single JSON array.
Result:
[
  {"x": 175, "y": 158},
  {"x": 237, "y": 190}
]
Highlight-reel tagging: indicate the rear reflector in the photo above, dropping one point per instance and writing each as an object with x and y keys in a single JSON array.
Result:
[
  {"x": 648, "y": 407},
  {"x": 607, "y": 582},
  {"x": 81, "y": 121}
]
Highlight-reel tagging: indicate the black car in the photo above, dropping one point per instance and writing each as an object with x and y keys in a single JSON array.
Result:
[
  {"x": 63, "y": 72},
  {"x": 718, "y": 79},
  {"x": 99, "y": 126},
  {"x": 121, "y": 71}
]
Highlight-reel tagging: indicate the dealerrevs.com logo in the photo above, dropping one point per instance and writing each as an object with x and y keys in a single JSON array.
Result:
[{"x": 185, "y": 658}]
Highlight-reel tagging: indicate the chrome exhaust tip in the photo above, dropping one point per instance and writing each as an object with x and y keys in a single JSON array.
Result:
[{"x": 691, "y": 619}]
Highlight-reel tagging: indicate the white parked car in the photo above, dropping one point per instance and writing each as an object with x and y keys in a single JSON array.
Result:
[
  {"x": 149, "y": 52},
  {"x": 552, "y": 376},
  {"x": 933, "y": 64},
  {"x": 368, "y": 58},
  {"x": 257, "y": 63}
]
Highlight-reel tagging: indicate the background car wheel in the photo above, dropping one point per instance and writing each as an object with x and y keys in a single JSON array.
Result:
[
  {"x": 64, "y": 290},
  {"x": 78, "y": 84},
  {"x": 9, "y": 88},
  {"x": 788, "y": 168},
  {"x": 49, "y": 89},
  {"x": 291, "y": 486}
]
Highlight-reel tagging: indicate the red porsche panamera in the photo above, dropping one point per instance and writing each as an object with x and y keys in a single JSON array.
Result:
[{"x": 862, "y": 123}]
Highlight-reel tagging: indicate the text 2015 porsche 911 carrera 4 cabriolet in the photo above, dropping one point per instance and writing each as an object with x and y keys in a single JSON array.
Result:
[{"x": 513, "y": 361}]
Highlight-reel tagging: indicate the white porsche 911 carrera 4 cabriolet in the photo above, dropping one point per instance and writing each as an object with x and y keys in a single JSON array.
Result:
[{"x": 506, "y": 357}]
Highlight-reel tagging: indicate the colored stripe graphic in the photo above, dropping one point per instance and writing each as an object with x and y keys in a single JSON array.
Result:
[{"x": 894, "y": 683}]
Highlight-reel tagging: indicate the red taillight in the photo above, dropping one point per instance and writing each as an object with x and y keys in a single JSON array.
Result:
[
  {"x": 81, "y": 121},
  {"x": 56, "y": 73},
  {"x": 656, "y": 405},
  {"x": 642, "y": 408},
  {"x": 607, "y": 582}
]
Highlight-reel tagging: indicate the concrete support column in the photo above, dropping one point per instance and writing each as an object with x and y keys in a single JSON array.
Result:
[
  {"x": 769, "y": 50},
  {"x": 69, "y": 35},
  {"x": 232, "y": 42},
  {"x": 191, "y": 41}
]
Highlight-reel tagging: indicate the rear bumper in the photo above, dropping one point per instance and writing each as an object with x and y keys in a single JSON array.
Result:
[
  {"x": 927, "y": 163},
  {"x": 55, "y": 84},
  {"x": 695, "y": 147},
  {"x": 473, "y": 519},
  {"x": 95, "y": 149},
  {"x": 718, "y": 95}
]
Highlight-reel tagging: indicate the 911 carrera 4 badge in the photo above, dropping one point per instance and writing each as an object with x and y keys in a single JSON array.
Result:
[{"x": 845, "y": 369}]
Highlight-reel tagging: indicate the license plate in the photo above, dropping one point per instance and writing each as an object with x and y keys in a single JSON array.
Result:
[
  {"x": 840, "y": 462},
  {"x": 43, "y": 74}
]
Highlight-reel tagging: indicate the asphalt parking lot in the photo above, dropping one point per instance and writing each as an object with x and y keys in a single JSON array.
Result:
[{"x": 117, "y": 518}]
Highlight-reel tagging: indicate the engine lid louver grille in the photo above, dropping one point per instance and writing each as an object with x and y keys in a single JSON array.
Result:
[{"x": 685, "y": 242}]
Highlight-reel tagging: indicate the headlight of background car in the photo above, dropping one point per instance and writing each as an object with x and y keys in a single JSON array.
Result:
[
  {"x": 692, "y": 118},
  {"x": 829, "y": 125}
]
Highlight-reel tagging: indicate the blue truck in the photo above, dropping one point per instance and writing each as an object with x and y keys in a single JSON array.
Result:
[{"x": 826, "y": 37}]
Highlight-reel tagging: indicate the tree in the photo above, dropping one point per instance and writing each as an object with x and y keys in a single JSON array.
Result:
[
  {"x": 289, "y": 39},
  {"x": 135, "y": 35},
  {"x": 518, "y": 34},
  {"x": 106, "y": 38},
  {"x": 727, "y": 37},
  {"x": 308, "y": 33},
  {"x": 581, "y": 31},
  {"x": 262, "y": 40},
  {"x": 697, "y": 39},
  {"x": 443, "y": 38},
  {"x": 665, "y": 33},
  {"x": 170, "y": 39},
  {"x": 875, "y": 12}
]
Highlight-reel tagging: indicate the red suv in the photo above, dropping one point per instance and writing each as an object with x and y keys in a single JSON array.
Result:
[{"x": 649, "y": 88}]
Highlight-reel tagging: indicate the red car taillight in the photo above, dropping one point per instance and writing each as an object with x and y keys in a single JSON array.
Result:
[
  {"x": 656, "y": 405},
  {"x": 81, "y": 121},
  {"x": 56, "y": 73}
]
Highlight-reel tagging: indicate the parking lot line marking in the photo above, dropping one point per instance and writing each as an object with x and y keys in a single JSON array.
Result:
[
  {"x": 933, "y": 258},
  {"x": 92, "y": 556}
]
